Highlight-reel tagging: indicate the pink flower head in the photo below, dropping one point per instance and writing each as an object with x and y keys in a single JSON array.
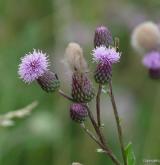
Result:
[
  {"x": 32, "y": 66},
  {"x": 103, "y": 54},
  {"x": 152, "y": 60}
]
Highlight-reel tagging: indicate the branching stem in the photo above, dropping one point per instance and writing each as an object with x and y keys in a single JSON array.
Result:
[
  {"x": 101, "y": 141},
  {"x": 104, "y": 146}
]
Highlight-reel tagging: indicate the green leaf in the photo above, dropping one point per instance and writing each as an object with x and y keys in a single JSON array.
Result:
[{"x": 131, "y": 160}]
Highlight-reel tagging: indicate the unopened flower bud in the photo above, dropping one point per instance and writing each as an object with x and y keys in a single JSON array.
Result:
[
  {"x": 82, "y": 89},
  {"x": 102, "y": 37},
  {"x": 146, "y": 37},
  {"x": 49, "y": 81},
  {"x": 78, "y": 112},
  {"x": 75, "y": 59}
]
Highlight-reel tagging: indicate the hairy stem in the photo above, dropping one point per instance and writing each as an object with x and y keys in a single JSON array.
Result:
[
  {"x": 119, "y": 129},
  {"x": 98, "y": 105}
]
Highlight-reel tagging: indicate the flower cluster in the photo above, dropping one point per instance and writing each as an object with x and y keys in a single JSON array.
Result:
[
  {"x": 146, "y": 40},
  {"x": 34, "y": 67},
  {"x": 82, "y": 90},
  {"x": 105, "y": 56}
]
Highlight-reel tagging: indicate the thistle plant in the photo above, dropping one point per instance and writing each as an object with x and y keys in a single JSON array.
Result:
[{"x": 34, "y": 67}]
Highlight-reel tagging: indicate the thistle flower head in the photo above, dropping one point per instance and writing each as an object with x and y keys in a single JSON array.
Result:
[
  {"x": 75, "y": 59},
  {"x": 104, "y": 55},
  {"x": 152, "y": 60},
  {"x": 82, "y": 88},
  {"x": 102, "y": 36},
  {"x": 32, "y": 66},
  {"x": 145, "y": 37}
]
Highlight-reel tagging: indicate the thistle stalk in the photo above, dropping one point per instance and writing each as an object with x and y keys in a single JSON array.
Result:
[
  {"x": 106, "y": 151},
  {"x": 65, "y": 95},
  {"x": 119, "y": 129},
  {"x": 98, "y": 105}
]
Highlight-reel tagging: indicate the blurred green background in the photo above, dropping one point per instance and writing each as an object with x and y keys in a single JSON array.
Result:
[{"x": 48, "y": 136}]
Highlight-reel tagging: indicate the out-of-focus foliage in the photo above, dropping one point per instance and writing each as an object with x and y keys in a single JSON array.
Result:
[
  {"x": 48, "y": 136},
  {"x": 7, "y": 118}
]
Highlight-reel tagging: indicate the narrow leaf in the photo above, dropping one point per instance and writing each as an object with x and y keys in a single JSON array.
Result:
[{"x": 131, "y": 160}]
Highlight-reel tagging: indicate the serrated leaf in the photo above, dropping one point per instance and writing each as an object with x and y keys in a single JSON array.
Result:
[{"x": 131, "y": 159}]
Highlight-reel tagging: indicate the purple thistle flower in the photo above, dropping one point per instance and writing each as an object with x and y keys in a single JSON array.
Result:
[
  {"x": 104, "y": 55},
  {"x": 152, "y": 62},
  {"x": 32, "y": 66}
]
